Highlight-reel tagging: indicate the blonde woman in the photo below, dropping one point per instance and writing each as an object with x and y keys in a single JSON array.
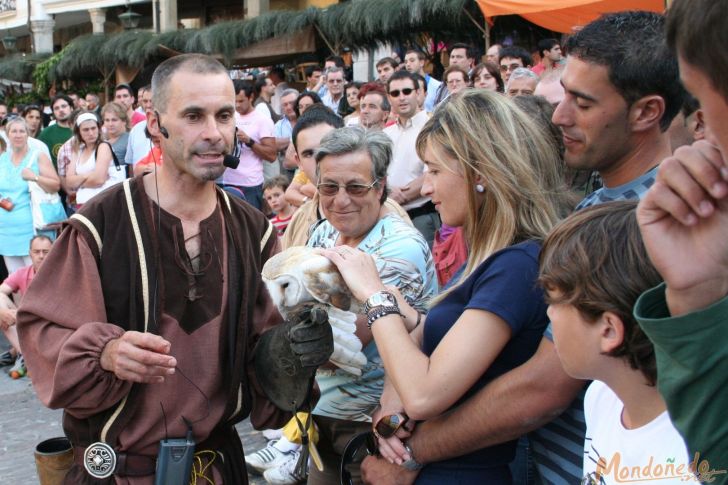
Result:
[
  {"x": 491, "y": 171},
  {"x": 116, "y": 128}
]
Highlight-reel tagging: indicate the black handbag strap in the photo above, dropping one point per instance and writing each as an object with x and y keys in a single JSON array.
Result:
[{"x": 113, "y": 155}]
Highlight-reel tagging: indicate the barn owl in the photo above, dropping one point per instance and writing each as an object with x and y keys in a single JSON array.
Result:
[{"x": 299, "y": 275}]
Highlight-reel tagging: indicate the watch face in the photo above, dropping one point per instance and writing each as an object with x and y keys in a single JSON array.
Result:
[{"x": 381, "y": 298}]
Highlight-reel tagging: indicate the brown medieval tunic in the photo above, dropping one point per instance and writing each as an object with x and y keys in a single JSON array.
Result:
[{"x": 100, "y": 281}]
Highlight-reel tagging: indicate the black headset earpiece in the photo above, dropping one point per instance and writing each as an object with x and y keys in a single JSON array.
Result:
[{"x": 162, "y": 129}]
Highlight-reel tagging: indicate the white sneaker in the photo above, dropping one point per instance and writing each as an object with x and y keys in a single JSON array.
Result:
[
  {"x": 268, "y": 457},
  {"x": 285, "y": 474},
  {"x": 273, "y": 434}
]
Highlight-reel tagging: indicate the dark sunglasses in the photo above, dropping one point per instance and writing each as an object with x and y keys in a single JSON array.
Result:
[
  {"x": 406, "y": 91},
  {"x": 388, "y": 425},
  {"x": 355, "y": 190},
  {"x": 353, "y": 451}
]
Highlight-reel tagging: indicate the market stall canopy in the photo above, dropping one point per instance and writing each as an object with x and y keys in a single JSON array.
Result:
[{"x": 564, "y": 16}]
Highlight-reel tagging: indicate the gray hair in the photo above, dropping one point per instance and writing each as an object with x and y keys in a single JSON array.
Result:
[
  {"x": 354, "y": 139},
  {"x": 288, "y": 92},
  {"x": 334, "y": 69},
  {"x": 194, "y": 63},
  {"x": 522, "y": 73},
  {"x": 17, "y": 120}
]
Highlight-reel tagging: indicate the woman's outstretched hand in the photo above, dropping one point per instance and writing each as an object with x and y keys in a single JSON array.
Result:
[{"x": 358, "y": 270}]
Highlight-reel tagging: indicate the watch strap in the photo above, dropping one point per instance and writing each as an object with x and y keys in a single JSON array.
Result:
[
  {"x": 380, "y": 311},
  {"x": 412, "y": 464}
]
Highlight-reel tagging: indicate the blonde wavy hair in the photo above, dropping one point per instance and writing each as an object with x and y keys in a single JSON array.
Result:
[{"x": 489, "y": 136}]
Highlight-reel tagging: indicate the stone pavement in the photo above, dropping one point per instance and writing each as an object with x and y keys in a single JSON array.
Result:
[{"x": 25, "y": 422}]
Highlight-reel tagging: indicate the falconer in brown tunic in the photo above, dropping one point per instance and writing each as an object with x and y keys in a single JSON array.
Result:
[{"x": 142, "y": 322}]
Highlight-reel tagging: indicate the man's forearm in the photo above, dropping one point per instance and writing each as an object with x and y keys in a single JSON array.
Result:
[{"x": 514, "y": 404}]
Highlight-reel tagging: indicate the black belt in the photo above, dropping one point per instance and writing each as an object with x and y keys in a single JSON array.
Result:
[{"x": 426, "y": 208}]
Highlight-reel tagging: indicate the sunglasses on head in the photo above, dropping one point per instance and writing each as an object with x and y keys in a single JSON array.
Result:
[
  {"x": 406, "y": 91},
  {"x": 330, "y": 189}
]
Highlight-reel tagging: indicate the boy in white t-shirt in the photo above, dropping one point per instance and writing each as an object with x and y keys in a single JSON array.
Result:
[{"x": 594, "y": 267}]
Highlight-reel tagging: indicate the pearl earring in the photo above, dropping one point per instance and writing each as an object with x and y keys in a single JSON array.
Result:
[{"x": 479, "y": 188}]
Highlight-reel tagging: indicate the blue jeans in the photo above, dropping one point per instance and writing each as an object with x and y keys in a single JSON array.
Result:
[
  {"x": 522, "y": 466},
  {"x": 254, "y": 194}
]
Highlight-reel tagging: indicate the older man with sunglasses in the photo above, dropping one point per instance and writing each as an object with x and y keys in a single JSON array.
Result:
[
  {"x": 406, "y": 172},
  {"x": 351, "y": 167}
]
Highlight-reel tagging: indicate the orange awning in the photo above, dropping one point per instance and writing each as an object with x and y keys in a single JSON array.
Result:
[{"x": 563, "y": 15}]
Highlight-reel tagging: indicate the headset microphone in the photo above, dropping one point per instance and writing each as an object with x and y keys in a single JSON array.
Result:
[
  {"x": 232, "y": 160},
  {"x": 162, "y": 129}
]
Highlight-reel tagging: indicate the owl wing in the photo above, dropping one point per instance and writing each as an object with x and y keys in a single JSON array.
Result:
[{"x": 347, "y": 346}]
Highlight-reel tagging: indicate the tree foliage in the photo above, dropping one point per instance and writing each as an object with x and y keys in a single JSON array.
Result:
[{"x": 357, "y": 24}]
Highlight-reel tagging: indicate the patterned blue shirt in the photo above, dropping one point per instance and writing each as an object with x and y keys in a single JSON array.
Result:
[
  {"x": 632, "y": 190},
  {"x": 404, "y": 260},
  {"x": 558, "y": 447}
]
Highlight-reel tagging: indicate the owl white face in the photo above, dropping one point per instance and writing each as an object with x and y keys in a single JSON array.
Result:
[{"x": 286, "y": 291}]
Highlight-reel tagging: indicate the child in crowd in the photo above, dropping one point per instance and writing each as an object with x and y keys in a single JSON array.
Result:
[
  {"x": 274, "y": 194},
  {"x": 594, "y": 266}
]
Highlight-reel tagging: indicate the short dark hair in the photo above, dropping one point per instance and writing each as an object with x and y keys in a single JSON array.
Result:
[
  {"x": 57, "y": 97},
  {"x": 403, "y": 74},
  {"x": 516, "y": 52},
  {"x": 470, "y": 51},
  {"x": 311, "y": 69},
  {"x": 597, "y": 261},
  {"x": 420, "y": 55},
  {"x": 337, "y": 60},
  {"x": 306, "y": 94},
  {"x": 122, "y": 86},
  {"x": 277, "y": 181},
  {"x": 546, "y": 45},
  {"x": 420, "y": 81},
  {"x": 690, "y": 105},
  {"x": 195, "y": 63},
  {"x": 278, "y": 72},
  {"x": 696, "y": 30},
  {"x": 244, "y": 86},
  {"x": 314, "y": 116},
  {"x": 387, "y": 60},
  {"x": 633, "y": 48},
  {"x": 259, "y": 85}
]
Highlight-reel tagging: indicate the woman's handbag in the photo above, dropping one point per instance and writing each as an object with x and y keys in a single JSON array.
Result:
[{"x": 46, "y": 208}]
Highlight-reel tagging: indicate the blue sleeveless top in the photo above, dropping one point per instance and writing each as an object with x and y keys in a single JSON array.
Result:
[{"x": 16, "y": 226}]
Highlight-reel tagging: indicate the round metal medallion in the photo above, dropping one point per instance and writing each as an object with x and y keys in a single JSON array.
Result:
[{"x": 99, "y": 460}]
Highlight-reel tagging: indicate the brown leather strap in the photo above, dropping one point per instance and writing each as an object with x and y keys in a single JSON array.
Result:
[{"x": 127, "y": 464}]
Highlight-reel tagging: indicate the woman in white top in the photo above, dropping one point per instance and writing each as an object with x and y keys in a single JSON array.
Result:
[{"x": 92, "y": 168}]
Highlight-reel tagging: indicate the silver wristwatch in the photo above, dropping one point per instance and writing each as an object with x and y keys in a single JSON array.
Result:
[
  {"x": 411, "y": 464},
  {"x": 380, "y": 304}
]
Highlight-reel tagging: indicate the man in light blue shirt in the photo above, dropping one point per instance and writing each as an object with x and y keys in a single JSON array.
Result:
[{"x": 414, "y": 62}]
